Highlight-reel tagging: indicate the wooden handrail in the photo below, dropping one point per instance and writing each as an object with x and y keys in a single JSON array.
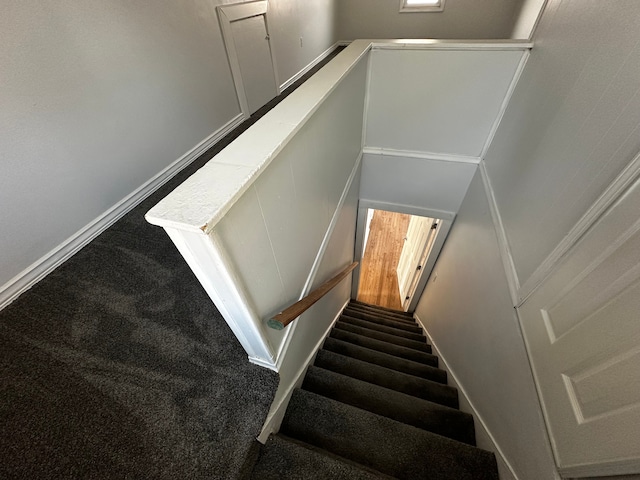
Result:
[{"x": 289, "y": 314}]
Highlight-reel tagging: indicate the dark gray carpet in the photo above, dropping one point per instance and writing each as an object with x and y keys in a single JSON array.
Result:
[
  {"x": 117, "y": 365},
  {"x": 352, "y": 419}
]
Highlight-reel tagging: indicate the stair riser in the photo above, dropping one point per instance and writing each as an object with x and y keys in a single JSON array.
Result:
[
  {"x": 357, "y": 312},
  {"x": 397, "y": 350},
  {"x": 385, "y": 360},
  {"x": 384, "y": 377},
  {"x": 384, "y": 337},
  {"x": 406, "y": 326},
  {"x": 383, "y": 328},
  {"x": 390, "y": 447},
  {"x": 389, "y": 316},
  {"x": 429, "y": 416}
]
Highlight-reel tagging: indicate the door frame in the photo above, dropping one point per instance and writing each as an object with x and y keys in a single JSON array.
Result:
[
  {"x": 446, "y": 221},
  {"x": 227, "y": 14}
]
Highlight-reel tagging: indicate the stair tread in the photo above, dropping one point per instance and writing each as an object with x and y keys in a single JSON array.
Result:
[
  {"x": 385, "y": 360},
  {"x": 384, "y": 337},
  {"x": 284, "y": 457},
  {"x": 409, "y": 322},
  {"x": 389, "y": 322},
  {"x": 378, "y": 307},
  {"x": 386, "y": 445},
  {"x": 385, "y": 377},
  {"x": 430, "y": 416},
  {"x": 419, "y": 337},
  {"x": 381, "y": 346}
]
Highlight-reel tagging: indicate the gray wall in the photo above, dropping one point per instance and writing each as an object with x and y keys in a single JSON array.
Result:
[
  {"x": 98, "y": 97},
  {"x": 460, "y": 19}
]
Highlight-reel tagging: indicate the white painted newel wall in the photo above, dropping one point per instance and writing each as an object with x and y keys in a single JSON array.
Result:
[{"x": 255, "y": 222}]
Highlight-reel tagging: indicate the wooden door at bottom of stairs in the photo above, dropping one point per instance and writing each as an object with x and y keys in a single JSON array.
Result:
[
  {"x": 253, "y": 51},
  {"x": 582, "y": 329},
  {"x": 415, "y": 250}
]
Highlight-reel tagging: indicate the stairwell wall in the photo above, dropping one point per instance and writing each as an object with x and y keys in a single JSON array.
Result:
[{"x": 467, "y": 311}]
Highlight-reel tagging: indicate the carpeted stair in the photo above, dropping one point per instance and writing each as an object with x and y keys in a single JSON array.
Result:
[{"x": 375, "y": 405}]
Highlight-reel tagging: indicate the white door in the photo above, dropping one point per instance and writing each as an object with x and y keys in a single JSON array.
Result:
[
  {"x": 254, "y": 58},
  {"x": 413, "y": 255},
  {"x": 582, "y": 328}
]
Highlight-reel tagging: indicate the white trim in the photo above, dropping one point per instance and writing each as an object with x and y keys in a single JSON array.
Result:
[
  {"x": 505, "y": 102},
  {"x": 410, "y": 209},
  {"x": 343, "y": 43},
  {"x": 436, "y": 44},
  {"x": 306, "y": 69},
  {"x": 503, "y": 242},
  {"x": 463, "y": 392},
  {"x": 239, "y": 11},
  {"x": 444, "y": 157},
  {"x": 608, "y": 198},
  {"x": 404, "y": 8},
  {"x": 276, "y": 414},
  {"x": 206, "y": 257},
  {"x": 227, "y": 14},
  {"x": 365, "y": 110},
  {"x": 56, "y": 257},
  {"x": 617, "y": 470},
  {"x": 284, "y": 346}
]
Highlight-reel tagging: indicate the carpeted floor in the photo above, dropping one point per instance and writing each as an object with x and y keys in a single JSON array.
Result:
[{"x": 117, "y": 365}]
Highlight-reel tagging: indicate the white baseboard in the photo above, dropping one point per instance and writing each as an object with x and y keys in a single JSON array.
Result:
[
  {"x": 313, "y": 63},
  {"x": 276, "y": 414},
  {"x": 505, "y": 468},
  {"x": 49, "y": 262}
]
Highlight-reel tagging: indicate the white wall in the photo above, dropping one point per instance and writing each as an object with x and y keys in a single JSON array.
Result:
[
  {"x": 460, "y": 19},
  {"x": 527, "y": 18},
  {"x": 274, "y": 232},
  {"x": 290, "y": 20},
  {"x": 415, "y": 182},
  {"x": 468, "y": 313},
  {"x": 97, "y": 98},
  {"x": 573, "y": 123},
  {"x": 312, "y": 327},
  {"x": 442, "y": 101}
]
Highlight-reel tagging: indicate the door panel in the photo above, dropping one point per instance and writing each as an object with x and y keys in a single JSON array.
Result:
[
  {"x": 254, "y": 57},
  {"x": 416, "y": 242},
  {"x": 582, "y": 327}
]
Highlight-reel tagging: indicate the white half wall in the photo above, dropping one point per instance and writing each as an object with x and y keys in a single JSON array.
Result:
[
  {"x": 467, "y": 311},
  {"x": 98, "y": 98},
  {"x": 438, "y": 101},
  {"x": 273, "y": 234},
  {"x": 415, "y": 182},
  {"x": 461, "y": 19},
  {"x": 310, "y": 330}
]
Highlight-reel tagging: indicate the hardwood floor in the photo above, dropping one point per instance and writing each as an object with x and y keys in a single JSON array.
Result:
[{"x": 378, "y": 278}]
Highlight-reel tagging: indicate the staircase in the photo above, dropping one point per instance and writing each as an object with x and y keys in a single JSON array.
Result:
[{"x": 375, "y": 405}]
